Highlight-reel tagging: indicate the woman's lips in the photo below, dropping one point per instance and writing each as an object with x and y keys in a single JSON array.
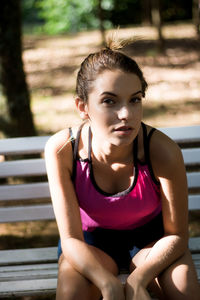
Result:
[{"x": 124, "y": 129}]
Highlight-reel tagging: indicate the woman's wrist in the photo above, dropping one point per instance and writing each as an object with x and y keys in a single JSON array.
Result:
[
  {"x": 137, "y": 278},
  {"x": 112, "y": 289}
]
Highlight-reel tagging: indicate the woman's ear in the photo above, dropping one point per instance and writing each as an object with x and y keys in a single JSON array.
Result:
[{"x": 82, "y": 108}]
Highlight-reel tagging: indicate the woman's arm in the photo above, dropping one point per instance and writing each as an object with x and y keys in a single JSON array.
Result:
[
  {"x": 84, "y": 258},
  {"x": 168, "y": 167}
]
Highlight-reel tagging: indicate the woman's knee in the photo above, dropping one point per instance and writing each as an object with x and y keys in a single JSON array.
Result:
[
  {"x": 179, "y": 281},
  {"x": 71, "y": 284}
]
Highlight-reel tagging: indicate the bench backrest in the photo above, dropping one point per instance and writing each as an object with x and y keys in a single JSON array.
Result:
[{"x": 29, "y": 199}]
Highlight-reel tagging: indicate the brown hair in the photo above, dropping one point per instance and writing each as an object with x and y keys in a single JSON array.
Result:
[{"x": 106, "y": 59}]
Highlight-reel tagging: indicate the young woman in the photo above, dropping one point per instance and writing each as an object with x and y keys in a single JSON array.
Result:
[{"x": 119, "y": 193}]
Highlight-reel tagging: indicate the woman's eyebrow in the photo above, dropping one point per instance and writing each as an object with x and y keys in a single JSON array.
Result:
[{"x": 113, "y": 94}]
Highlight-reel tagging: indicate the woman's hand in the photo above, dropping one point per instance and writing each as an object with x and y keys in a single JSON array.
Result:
[
  {"x": 113, "y": 290},
  {"x": 135, "y": 290}
]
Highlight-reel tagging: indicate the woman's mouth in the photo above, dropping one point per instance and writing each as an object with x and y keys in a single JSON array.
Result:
[{"x": 124, "y": 130}]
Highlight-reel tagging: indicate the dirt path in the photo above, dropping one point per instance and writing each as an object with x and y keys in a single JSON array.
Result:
[{"x": 174, "y": 77}]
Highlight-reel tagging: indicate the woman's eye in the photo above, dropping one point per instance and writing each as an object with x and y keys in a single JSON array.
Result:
[
  {"x": 136, "y": 99},
  {"x": 108, "y": 101}
]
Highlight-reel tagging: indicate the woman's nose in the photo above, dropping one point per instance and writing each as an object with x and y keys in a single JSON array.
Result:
[{"x": 123, "y": 113}]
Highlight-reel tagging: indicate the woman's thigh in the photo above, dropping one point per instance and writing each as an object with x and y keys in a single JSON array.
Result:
[
  {"x": 73, "y": 285},
  {"x": 179, "y": 281}
]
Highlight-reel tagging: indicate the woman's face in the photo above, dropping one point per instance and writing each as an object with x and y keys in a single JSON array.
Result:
[{"x": 114, "y": 107}]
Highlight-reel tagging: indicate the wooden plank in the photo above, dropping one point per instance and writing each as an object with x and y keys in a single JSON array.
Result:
[
  {"x": 32, "y": 267},
  {"x": 28, "y": 256},
  {"x": 24, "y": 145},
  {"x": 188, "y": 134},
  {"x": 35, "y": 167},
  {"x": 39, "y": 190},
  {"x": 193, "y": 179},
  {"x": 29, "y": 274},
  {"x": 26, "y": 213},
  {"x": 194, "y": 202},
  {"x": 27, "y": 145},
  {"x": 26, "y": 167},
  {"x": 191, "y": 156},
  {"x": 27, "y": 287},
  {"x": 45, "y": 211},
  {"x": 194, "y": 244}
]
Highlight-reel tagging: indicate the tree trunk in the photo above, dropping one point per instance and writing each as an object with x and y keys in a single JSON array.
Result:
[
  {"x": 196, "y": 16},
  {"x": 157, "y": 22},
  {"x": 12, "y": 73},
  {"x": 146, "y": 12},
  {"x": 101, "y": 19}
]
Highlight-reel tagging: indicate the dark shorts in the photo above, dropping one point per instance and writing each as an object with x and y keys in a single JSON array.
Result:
[{"x": 123, "y": 245}]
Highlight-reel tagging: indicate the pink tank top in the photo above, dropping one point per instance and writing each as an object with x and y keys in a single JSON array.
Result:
[{"x": 129, "y": 209}]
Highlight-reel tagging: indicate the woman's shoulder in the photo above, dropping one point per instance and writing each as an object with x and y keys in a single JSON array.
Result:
[
  {"x": 163, "y": 150},
  {"x": 60, "y": 143}
]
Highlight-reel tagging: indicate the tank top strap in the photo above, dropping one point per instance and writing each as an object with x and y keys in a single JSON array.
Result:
[
  {"x": 146, "y": 142},
  {"x": 89, "y": 144},
  {"x": 135, "y": 150},
  {"x": 75, "y": 143}
]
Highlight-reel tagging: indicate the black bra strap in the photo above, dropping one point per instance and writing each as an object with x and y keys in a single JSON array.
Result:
[
  {"x": 89, "y": 143},
  {"x": 135, "y": 150},
  {"x": 146, "y": 141}
]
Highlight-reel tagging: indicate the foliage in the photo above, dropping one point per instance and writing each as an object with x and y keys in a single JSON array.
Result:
[
  {"x": 60, "y": 16},
  {"x": 70, "y": 15},
  {"x": 30, "y": 11}
]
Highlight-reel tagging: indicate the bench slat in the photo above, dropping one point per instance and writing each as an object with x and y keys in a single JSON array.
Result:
[
  {"x": 45, "y": 211},
  {"x": 26, "y": 213},
  {"x": 194, "y": 202},
  {"x": 27, "y": 191},
  {"x": 32, "y": 267},
  {"x": 29, "y": 274},
  {"x": 194, "y": 244},
  {"x": 36, "y": 167},
  {"x": 41, "y": 190},
  {"x": 49, "y": 254},
  {"x": 25, "y": 145},
  {"x": 188, "y": 134},
  {"x": 28, "y": 287},
  {"x": 191, "y": 156},
  {"x": 193, "y": 179},
  {"x": 28, "y": 167},
  {"x": 28, "y": 256}
]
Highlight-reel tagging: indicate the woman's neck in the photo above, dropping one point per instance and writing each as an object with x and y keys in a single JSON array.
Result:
[{"x": 108, "y": 153}]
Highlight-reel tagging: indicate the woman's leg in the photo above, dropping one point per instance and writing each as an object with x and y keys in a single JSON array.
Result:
[
  {"x": 74, "y": 286},
  {"x": 177, "y": 282}
]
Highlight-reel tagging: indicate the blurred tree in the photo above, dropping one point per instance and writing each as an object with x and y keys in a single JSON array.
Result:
[
  {"x": 157, "y": 21},
  {"x": 146, "y": 12},
  {"x": 101, "y": 21},
  {"x": 13, "y": 79},
  {"x": 62, "y": 16},
  {"x": 196, "y": 16}
]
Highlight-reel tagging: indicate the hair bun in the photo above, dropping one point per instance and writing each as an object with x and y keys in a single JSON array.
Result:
[{"x": 114, "y": 43}]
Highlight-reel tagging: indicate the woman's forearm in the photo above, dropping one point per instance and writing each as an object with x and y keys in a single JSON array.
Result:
[
  {"x": 164, "y": 252},
  {"x": 86, "y": 261}
]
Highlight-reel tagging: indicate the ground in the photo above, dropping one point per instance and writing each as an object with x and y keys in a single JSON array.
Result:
[{"x": 51, "y": 65}]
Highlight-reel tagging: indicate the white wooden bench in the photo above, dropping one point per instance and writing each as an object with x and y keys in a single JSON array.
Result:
[{"x": 34, "y": 271}]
